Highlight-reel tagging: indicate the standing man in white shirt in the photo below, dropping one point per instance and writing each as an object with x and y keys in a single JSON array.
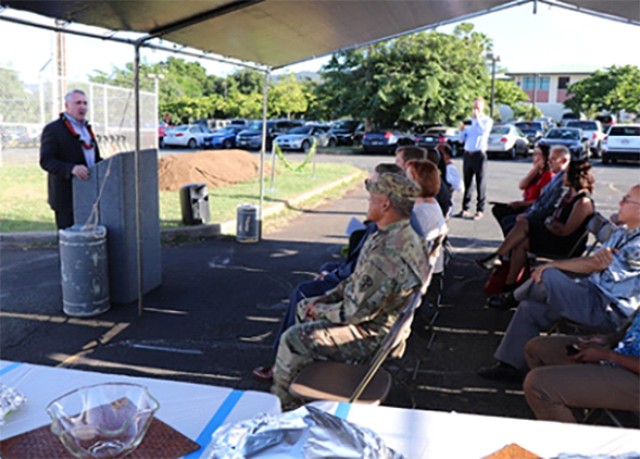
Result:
[{"x": 474, "y": 162}]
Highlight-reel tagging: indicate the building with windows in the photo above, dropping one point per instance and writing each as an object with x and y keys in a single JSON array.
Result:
[{"x": 547, "y": 90}]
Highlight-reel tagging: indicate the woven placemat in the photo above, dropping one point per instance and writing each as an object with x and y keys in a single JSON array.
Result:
[{"x": 160, "y": 442}]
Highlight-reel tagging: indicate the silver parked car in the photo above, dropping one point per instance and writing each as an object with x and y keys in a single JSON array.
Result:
[
  {"x": 301, "y": 138},
  {"x": 508, "y": 141},
  {"x": 186, "y": 135}
]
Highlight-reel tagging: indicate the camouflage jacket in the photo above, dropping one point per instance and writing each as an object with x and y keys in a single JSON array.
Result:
[{"x": 392, "y": 263}]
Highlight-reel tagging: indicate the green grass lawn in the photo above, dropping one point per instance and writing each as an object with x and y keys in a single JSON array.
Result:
[{"x": 23, "y": 195}]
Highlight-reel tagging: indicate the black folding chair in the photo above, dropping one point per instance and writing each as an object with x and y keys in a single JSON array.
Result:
[{"x": 366, "y": 383}]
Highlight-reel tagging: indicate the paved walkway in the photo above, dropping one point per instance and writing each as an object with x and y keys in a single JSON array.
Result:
[{"x": 212, "y": 319}]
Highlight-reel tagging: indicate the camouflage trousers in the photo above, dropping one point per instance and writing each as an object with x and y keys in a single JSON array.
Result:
[{"x": 305, "y": 342}]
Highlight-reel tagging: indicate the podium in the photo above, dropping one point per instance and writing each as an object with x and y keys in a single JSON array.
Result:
[{"x": 117, "y": 212}]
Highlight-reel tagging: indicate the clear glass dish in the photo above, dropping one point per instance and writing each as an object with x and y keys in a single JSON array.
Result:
[{"x": 104, "y": 420}]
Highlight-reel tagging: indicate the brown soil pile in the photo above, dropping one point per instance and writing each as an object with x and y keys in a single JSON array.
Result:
[{"x": 216, "y": 168}]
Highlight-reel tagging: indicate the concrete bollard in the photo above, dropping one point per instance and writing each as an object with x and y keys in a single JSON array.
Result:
[
  {"x": 84, "y": 270},
  {"x": 248, "y": 227}
]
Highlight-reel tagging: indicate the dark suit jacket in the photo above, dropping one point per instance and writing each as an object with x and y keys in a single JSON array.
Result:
[{"x": 59, "y": 153}]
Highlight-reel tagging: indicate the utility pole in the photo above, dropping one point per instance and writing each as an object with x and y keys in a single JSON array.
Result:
[
  {"x": 494, "y": 58},
  {"x": 60, "y": 73}
]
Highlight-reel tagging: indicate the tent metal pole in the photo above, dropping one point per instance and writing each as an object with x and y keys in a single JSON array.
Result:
[
  {"x": 136, "y": 88},
  {"x": 265, "y": 95}
]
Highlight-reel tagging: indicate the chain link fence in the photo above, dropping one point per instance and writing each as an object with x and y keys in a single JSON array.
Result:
[{"x": 25, "y": 108}]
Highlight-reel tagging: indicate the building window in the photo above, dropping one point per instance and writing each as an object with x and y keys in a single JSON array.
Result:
[
  {"x": 563, "y": 82},
  {"x": 543, "y": 83}
]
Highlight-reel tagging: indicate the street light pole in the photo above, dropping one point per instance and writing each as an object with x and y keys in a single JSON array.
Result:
[{"x": 494, "y": 58}]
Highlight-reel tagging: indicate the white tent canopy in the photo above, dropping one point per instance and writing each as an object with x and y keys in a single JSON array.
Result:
[{"x": 277, "y": 33}]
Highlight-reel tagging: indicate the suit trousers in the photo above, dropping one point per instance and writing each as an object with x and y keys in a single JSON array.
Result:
[
  {"x": 556, "y": 384},
  {"x": 542, "y": 304},
  {"x": 64, "y": 218},
  {"x": 474, "y": 164}
]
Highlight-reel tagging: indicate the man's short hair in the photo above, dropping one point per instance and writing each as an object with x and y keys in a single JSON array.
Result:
[
  {"x": 400, "y": 190},
  {"x": 67, "y": 97},
  {"x": 410, "y": 152}
]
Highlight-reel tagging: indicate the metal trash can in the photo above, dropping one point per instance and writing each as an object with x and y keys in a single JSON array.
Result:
[
  {"x": 248, "y": 226},
  {"x": 194, "y": 203},
  {"x": 84, "y": 270}
]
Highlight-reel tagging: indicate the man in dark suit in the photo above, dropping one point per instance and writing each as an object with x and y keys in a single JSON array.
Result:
[{"x": 68, "y": 148}]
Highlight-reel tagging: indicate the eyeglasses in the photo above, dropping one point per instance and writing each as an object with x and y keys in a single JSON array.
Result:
[{"x": 627, "y": 200}]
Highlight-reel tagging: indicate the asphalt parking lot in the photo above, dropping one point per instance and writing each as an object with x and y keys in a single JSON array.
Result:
[{"x": 212, "y": 320}]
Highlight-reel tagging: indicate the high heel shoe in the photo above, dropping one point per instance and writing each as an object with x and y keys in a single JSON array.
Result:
[{"x": 489, "y": 262}]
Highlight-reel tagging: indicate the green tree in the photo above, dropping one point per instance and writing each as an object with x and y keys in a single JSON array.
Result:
[
  {"x": 17, "y": 104},
  {"x": 507, "y": 93},
  {"x": 610, "y": 90},
  {"x": 427, "y": 76},
  {"x": 247, "y": 81},
  {"x": 286, "y": 98}
]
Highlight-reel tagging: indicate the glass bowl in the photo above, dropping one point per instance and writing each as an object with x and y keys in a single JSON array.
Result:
[{"x": 104, "y": 420}]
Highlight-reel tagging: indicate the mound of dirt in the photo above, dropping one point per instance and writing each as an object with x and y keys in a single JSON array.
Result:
[{"x": 216, "y": 168}]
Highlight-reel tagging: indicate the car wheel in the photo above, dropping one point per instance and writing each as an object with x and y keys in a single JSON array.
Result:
[
  {"x": 192, "y": 144},
  {"x": 513, "y": 153},
  {"x": 332, "y": 143},
  {"x": 306, "y": 146},
  {"x": 227, "y": 144}
]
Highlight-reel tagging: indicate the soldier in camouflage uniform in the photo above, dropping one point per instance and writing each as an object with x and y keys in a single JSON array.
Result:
[{"x": 350, "y": 321}]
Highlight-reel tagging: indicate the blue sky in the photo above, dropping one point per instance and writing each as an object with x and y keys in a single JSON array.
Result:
[{"x": 554, "y": 39}]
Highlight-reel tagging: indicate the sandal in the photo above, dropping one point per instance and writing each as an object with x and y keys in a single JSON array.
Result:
[{"x": 263, "y": 373}]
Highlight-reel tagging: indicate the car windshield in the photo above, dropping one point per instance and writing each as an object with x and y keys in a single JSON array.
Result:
[
  {"x": 528, "y": 126},
  {"x": 184, "y": 127},
  {"x": 301, "y": 130},
  {"x": 563, "y": 134},
  {"x": 345, "y": 125},
  {"x": 585, "y": 125},
  {"x": 255, "y": 126},
  {"x": 502, "y": 130},
  {"x": 625, "y": 130},
  {"x": 435, "y": 131}
]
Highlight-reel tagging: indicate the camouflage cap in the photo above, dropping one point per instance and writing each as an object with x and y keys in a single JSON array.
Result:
[{"x": 394, "y": 186}]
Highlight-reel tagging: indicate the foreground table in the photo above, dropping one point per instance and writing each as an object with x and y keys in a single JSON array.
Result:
[
  {"x": 441, "y": 435},
  {"x": 195, "y": 410}
]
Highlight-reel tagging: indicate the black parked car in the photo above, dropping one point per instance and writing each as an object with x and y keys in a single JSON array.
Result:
[
  {"x": 251, "y": 138},
  {"x": 571, "y": 138},
  {"x": 347, "y": 132},
  {"x": 385, "y": 140},
  {"x": 434, "y": 136}
]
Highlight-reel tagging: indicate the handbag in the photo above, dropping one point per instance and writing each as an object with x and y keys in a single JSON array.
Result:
[{"x": 498, "y": 277}]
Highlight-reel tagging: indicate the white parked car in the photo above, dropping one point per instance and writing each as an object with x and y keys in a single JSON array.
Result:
[
  {"x": 592, "y": 130},
  {"x": 507, "y": 140},
  {"x": 301, "y": 138},
  {"x": 621, "y": 142},
  {"x": 186, "y": 135}
]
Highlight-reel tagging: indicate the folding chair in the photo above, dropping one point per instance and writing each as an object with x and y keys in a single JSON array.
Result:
[
  {"x": 366, "y": 383},
  {"x": 599, "y": 226}
]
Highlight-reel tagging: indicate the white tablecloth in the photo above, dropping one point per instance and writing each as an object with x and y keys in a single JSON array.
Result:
[
  {"x": 440, "y": 435},
  {"x": 195, "y": 410}
]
